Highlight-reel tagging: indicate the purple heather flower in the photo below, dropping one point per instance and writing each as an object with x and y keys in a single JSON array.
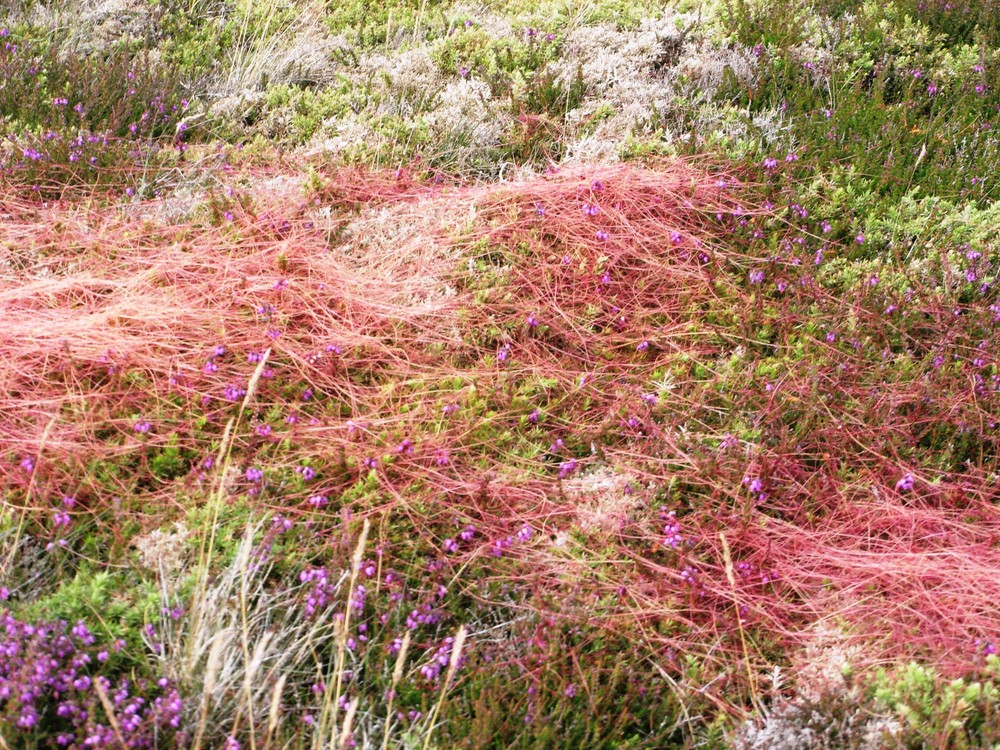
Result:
[
  {"x": 860, "y": 239},
  {"x": 905, "y": 484},
  {"x": 567, "y": 467},
  {"x": 253, "y": 474},
  {"x": 503, "y": 353},
  {"x": 756, "y": 277},
  {"x": 28, "y": 464},
  {"x": 532, "y": 321},
  {"x": 672, "y": 530},
  {"x": 591, "y": 209},
  {"x": 142, "y": 426},
  {"x": 601, "y": 235},
  {"x": 533, "y": 417},
  {"x": 770, "y": 163},
  {"x": 643, "y": 346},
  {"x": 318, "y": 501},
  {"x": 233, "y": 392},
  {"x": 467, "y": 533}
]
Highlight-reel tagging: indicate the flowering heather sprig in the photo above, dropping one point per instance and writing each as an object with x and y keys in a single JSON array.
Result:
[
  {"x": 320, "y": 590},
  {"x": 47, "y": 683},
  {"x": 440, "y": 660},
  {"x": 672, "y": 531},
  {"x": 567, "y": 467}
]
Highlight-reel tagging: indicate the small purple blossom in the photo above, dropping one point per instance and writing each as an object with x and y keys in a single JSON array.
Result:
[{"x": 672, "y": 531}]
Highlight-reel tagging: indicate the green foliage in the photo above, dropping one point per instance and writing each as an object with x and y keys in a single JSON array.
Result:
[
  {"x": 170, "y": 462},
  {"x": 960, "y": 713},
  {"x": 192, "y": 36},
  {"x": 370, "y": 23},
  {"x": 113, "y": 604},
  {"x": 294, "y": 114}
]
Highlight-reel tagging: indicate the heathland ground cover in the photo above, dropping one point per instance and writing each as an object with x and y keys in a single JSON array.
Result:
[{"x": 426, "y": 374}]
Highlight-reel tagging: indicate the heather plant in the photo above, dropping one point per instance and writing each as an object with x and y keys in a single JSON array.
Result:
[
  {"x": 72, "y": 121},
  {"x": 935, "y": 712},
  {"x": 881, "y": 92},
  {"x": 54, "y": 691}
]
